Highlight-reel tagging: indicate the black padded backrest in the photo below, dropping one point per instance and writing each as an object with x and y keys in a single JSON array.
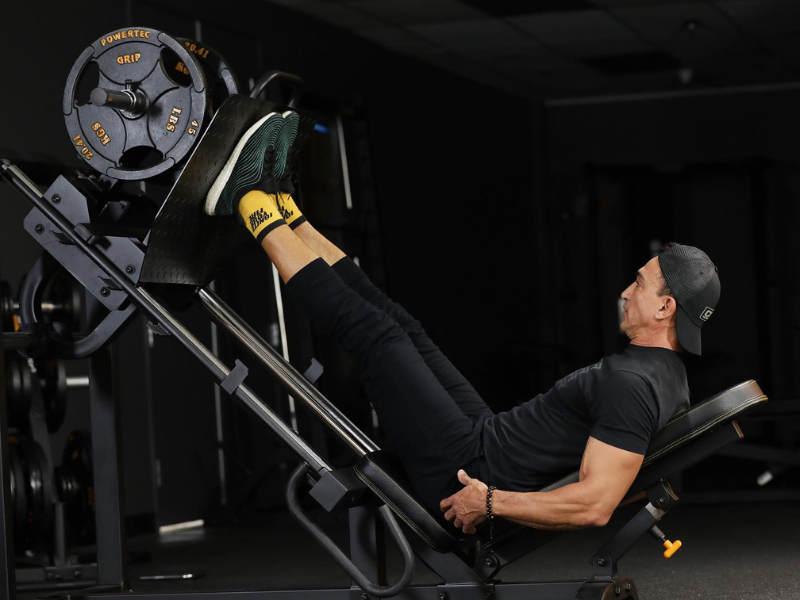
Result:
[
  {"x": 692, "y": 423},
  {"x": 703, "y": 417},
  {"x": 383, "y": 473}
]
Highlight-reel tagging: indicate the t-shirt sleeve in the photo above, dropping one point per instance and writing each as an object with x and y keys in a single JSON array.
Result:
[{"x": 626, "y": 411}]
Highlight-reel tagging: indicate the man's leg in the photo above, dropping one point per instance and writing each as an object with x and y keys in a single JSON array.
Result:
[
  {"x": 462, "y": 392},
  {"x": 423, "y": 423}
]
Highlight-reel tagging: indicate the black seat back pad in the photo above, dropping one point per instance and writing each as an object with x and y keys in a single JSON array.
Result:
[{"x": 383, "y": 473}]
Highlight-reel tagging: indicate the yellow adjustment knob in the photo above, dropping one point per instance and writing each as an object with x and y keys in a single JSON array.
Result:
[{"x": 671, "y": 547}]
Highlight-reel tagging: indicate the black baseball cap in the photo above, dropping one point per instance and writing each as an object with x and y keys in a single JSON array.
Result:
[{"x": 694, "y": 282}]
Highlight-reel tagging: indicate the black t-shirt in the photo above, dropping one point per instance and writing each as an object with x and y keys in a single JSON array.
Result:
[{"x": 621, "y": 400}]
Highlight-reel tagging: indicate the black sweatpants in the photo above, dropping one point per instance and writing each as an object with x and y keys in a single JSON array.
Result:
[{"x": 431, "y": 414}]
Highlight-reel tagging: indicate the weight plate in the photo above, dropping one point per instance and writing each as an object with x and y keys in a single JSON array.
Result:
[
  {"x": 6, "y": 307},
  {"x": 61, "y": 300},
  {"x": 39, "y": 488},
  {"x": 19, "y": 496},
  {"x": 220, "y": 77},
  {"x": 134, "y": 144},
  {"x": 53, "y": 378},
  {"x": 68, "y": 487},
  {"x": 18, "y": 390},
  {"x": 76, "y": 486}
]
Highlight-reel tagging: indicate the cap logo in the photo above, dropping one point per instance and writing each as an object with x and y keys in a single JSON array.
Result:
[{"x": 707, "y": 312}]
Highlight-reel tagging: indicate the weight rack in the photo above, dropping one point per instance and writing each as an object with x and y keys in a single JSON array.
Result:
[{"x": 105, "y": 426}]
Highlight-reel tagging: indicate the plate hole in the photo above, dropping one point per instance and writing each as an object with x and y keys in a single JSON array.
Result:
[
  {"x": 175, "y": 69},
  {"x": 140, "y": 157},
  {"x": 88, "y": 79}
]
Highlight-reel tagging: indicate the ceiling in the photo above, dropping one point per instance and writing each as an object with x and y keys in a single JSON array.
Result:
[{"x": 575, "y": 48}]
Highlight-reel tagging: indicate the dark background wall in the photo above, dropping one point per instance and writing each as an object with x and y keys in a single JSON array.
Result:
[
  {"x": 506, "y": 225},
  {"x": 715, "y": 170}
]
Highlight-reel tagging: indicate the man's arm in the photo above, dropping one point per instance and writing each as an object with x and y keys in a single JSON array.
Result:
[{"x": 606, "y": 475}]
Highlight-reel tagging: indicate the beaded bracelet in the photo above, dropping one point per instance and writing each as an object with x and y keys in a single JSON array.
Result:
[
  {"x": 489, "y": 513},
  {"x": 489, "y": 492}
]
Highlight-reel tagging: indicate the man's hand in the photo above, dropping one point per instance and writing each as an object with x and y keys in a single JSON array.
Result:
[{"x": 466, "y": 509}]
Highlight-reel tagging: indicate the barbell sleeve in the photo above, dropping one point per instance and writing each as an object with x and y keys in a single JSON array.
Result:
[
  {"x": 124, "y": 100},
  {"x": 77, "y": 382}
]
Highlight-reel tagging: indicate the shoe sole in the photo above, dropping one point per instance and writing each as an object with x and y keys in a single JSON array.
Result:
[
  {"x": 288, "y": 134},
  {"x": 250, "y": 149}
]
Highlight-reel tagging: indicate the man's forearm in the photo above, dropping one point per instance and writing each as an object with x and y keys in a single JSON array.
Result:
[
  {"x": 606, "y": 475},
  {"x": 573, "y": 506}
]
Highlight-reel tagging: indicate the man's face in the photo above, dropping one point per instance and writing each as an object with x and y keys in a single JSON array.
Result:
[{"x": 642, "y": 301}]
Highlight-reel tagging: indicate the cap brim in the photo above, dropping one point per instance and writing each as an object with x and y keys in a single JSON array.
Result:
[{"x": 688, "y": 332}]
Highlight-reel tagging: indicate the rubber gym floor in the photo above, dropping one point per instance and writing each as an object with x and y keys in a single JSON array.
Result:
[{"x": 729, "y": 552}]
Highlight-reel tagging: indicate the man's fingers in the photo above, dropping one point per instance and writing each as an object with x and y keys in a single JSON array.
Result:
[
  {"x": 470, "y": 530},
  {"x": 448, "y": 502},
  {"x": 463, "y": 477}
]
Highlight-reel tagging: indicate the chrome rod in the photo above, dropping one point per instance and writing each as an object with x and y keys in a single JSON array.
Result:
[
  {"x": 223, "y": 487},
  {"x": 78, "y": 382},
  {"x": 286, "y": 373},
  {"x": 276, "y": 286},
  {"x": 348, "y": 197},
  {"x": 244, "y": 393}
]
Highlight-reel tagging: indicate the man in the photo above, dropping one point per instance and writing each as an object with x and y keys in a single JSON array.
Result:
[{"x": 599, "y": 418}]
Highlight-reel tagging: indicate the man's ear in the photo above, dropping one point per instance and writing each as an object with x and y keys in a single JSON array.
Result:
[{"x": 667, "y": 308}]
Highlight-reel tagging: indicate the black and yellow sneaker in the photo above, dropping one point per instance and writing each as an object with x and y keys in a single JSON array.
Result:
[{"x": 245, "y": 167}]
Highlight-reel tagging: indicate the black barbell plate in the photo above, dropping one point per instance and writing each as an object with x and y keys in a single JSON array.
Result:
[
  {"x": 78, "y": 485},
  {"x": 19, "y": 495},
  {"x": 39, "y": 491},
  {"x": 221, "y": 79},
  {"x": 18, "y": 390},
  {"x": 63, "y": 292},
  {"x": 78, "y": 455},
  {"x": 53, "y": 383},
  {"x": 136, "y": 146},
  {"x": 6, "y": 307}
]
